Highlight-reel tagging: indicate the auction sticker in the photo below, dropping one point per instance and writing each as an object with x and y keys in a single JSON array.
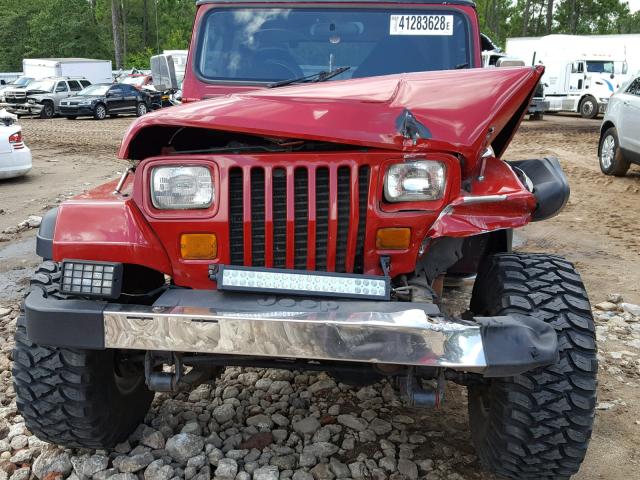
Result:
[{"x": 421, "y": 25}]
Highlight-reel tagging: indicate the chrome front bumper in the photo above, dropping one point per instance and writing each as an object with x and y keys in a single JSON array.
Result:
[
  {"x": 406, "y": 337},
  {"x": 24, "y": 108},
  {"x": 251, "y": 326}
]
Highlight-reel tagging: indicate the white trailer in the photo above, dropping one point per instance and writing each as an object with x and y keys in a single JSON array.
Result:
[
  {"x": 179, "y": 61},
  {"x": 96, "y": 71},
  {"x": 582, "y": 72}
]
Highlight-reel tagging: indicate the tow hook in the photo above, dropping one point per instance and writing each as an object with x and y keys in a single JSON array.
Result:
[
  {"x": 418, "y": 396},
  {"x": 179, "y": 379}
]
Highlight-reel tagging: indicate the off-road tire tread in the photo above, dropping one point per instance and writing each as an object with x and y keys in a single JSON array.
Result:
[
  {"x": 68, "y": 396},
  {"x": 540, "y": 422}
]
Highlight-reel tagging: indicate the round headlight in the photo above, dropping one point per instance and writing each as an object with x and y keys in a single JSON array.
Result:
[
  {"x": 181, "y": 188},
  {"x": 415, "y": 181}
]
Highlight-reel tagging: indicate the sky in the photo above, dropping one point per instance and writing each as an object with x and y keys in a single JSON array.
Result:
[{"x": 634, "y": 5}]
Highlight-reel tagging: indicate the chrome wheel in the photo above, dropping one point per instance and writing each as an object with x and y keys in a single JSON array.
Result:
[
  {"x": 142, "y": 109},
  {"x": 101, "y": 112},
  {"x": 608, "y": 152},
  {"x": 589, "y": 108}
]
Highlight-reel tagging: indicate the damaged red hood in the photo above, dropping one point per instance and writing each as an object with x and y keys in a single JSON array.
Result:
[{"x": 461, "y": 111}]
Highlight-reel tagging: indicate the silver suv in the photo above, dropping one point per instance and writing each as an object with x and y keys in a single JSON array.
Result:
[
  {"x": 619, "y": 135},
  {"x": 43, "y": 97}
]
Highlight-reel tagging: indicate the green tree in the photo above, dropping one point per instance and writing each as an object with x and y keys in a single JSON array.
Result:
[
  {"x": 85, "y": 28},
  {"x": 14, "y": 32},
  {"x": 63, "y": 28}
]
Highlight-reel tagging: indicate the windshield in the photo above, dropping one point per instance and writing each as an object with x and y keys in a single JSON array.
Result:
[
  {"x": 22, "y": 81},
  {"x": 97, "y": 90},
  {"x": 43, "y": 85},
  {"x": 134, "y": 81},
  {"x": 268, "y": 45},
  {"x": 600, "y": 67}
]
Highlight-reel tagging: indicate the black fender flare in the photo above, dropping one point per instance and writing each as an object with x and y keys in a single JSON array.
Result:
[
  {"x": 548, "y": 184},
  {"x": 44, "y": 239}
]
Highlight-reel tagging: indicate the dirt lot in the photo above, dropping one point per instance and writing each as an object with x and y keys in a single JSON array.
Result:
[{"x": 598, "y": 231}]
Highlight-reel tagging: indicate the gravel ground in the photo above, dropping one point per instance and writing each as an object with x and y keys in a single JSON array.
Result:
[{"x": 269, "y": 424}]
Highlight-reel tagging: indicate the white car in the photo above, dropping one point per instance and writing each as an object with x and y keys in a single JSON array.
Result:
[
  {"x": 620, "y": 132},
  {"x": 15, "y": 156}
]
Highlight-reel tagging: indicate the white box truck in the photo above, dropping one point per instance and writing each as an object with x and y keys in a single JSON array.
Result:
[
  {"x": 96, "y": 71},
  {"x": 581, "y": 74},
  {"x": 179, "y": 61}
]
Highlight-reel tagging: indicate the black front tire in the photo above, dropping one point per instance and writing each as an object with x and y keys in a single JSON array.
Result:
[
  {"x": 589, "y": 107},
  {"x": 47, "y": 110},
  {"x": 537, "y": 425},
  {"x": 72, "y": 397}
]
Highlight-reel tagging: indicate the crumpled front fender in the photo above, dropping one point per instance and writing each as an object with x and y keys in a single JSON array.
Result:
[
  {"x": 498, "y": 200},
  {"x": 105, "y": 227}
]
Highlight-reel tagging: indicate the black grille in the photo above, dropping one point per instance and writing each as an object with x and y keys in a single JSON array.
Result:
[
  {"x": 257, "y": 217},
  {"x": 300, "y": 219},
  {"x": 322, "y": 217},
  {"x": 236, "y": 230},
  {"x": 279, "y": 217}
]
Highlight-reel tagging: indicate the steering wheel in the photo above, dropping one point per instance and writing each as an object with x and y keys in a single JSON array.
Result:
[{"x": 282, "y": 60}]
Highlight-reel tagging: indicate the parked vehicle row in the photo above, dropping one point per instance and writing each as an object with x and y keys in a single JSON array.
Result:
[{"x": 75, "y": 97}]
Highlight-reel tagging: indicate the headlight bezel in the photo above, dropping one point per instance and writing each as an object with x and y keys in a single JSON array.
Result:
[
  {"x": 141, "y": 188},
  {"x": 412, "y": 199},
  {"x": 184, "y": 206}
]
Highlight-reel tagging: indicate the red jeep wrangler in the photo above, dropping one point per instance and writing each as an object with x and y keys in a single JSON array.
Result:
[{"x": 310, "y": 225}]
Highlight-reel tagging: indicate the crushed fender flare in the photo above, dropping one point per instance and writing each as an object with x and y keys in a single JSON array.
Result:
[{"x": 550, "y": 185}]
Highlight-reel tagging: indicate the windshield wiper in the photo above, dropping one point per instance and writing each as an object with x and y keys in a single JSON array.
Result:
[{"x": 316, "y": 77}]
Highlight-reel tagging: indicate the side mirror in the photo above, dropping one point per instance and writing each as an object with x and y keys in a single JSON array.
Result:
[
  {"x": 163, "y": 71},
  {"x": 509, "y": 62}
]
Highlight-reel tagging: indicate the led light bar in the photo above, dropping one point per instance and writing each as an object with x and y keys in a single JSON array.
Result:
[
  {"x": 91, "y": 279},
  {"x": 297, "y": 282}
]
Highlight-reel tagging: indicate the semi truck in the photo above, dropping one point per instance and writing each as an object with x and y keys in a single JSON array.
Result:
[
  {"x": 96, "y": 71},
  {"x": 581, "y": 73}
]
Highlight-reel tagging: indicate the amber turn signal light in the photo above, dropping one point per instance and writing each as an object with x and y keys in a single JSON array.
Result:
[
  {"x": 199, "y": 246},
  {"x": 393, "y": 238}
]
